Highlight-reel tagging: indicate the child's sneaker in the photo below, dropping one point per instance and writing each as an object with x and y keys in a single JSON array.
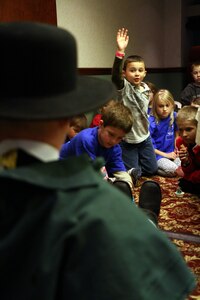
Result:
[{"x": 134, "y": 173}]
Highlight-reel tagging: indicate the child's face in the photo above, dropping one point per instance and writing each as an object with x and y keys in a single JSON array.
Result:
[
  {"x": 109, "y": 136},
  {"x": 163, "y": 108},
  {"x": 135, "y": 72},
  {"x": 151, "y": 95},
  {"x": 72, "y": 131},
  {"x": 196, "y": 74},
  {"x": 187, "y": 130}
]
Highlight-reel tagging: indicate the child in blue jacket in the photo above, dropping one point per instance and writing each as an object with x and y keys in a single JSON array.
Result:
[{"x": 163, "y": 130}]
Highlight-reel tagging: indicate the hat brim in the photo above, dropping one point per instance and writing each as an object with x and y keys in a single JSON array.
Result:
[{"x": 90, "y": 94}]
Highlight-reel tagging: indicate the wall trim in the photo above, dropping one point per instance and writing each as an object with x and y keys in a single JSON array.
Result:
[{"x": 107, "y": 71}]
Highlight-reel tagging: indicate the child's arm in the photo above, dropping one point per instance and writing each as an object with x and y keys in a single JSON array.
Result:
[
  {"x": 190, "y": 166},
  {"x": 122, "y": 43},
  {"x": 170, "y": 155}
]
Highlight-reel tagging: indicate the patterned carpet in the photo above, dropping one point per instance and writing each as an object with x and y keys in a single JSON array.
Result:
[{"x": 180, "y": 219}]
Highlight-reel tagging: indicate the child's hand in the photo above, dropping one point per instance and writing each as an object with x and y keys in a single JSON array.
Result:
[
  {"x": 122, "y": 39},
  {"x": 171, "y": 155},
  {"x": 183, "y": 154}
]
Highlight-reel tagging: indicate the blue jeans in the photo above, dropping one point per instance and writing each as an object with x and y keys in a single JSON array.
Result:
[{"x": 140, "y": 156}]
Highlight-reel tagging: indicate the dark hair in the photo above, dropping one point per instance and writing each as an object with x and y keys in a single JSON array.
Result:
[
  {"x": 132, "y": 58},
  {"x": 152, "y": 87},
  {"x": 79, "y": 121},
  {"x": 118, "y": 115}
]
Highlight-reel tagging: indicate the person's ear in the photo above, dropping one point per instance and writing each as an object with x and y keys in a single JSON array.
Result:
[
  {"x": 145, "y": 73},
  {"x": 123, "y": 73},
  {"x": 100, "y": 123}
]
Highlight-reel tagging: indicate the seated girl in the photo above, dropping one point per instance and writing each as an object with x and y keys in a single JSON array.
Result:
[{"x": 163, "y": 130}]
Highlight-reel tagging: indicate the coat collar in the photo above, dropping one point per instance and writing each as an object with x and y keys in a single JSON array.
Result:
[{"x": 66, "y": 174}]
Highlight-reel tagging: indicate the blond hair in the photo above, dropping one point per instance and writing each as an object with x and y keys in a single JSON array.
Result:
[
  {"x": 164, "y": 95},
  {"x": 187, "y": 113}
]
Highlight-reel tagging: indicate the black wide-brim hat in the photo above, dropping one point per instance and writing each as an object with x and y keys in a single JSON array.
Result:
[{"x": 38, "y": 74}]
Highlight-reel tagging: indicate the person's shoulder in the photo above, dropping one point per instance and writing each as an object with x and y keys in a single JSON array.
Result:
[
  {"x": 189, "y": 86},
  {"x": 196, "y": 149},
  {"x": 145, "y": 87},
  {"x": 88, "y": 138},
  {"x": 151, "y": 117},
  {"x": 89, "y": 133},
  {"x": 152, "y": 120},
  {"x": 64, "y": 148},
  {"x": 84, "y": 134},
  {"x": 115, "y": 149}
]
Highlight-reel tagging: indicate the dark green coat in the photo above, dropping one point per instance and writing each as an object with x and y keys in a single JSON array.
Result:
[{"x": 67, "y": 234}]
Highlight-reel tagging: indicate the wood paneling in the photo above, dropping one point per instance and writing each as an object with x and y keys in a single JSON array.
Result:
[{"x": 43, "y": 11}]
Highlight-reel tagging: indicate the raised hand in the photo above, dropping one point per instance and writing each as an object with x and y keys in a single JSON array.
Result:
[{"x": 122, "y": 39}]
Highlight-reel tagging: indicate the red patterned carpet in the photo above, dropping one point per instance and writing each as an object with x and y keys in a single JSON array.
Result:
[{"x": 180, "y": 219}]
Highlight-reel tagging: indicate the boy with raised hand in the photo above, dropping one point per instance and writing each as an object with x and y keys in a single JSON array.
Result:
[{"x": 137, "y": 149}]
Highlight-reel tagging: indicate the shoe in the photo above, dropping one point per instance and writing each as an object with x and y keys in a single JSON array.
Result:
[
  {"x": 124, "y": 187},
  {"x": 135, "y": 175},
  {"x": 150, "y": 197}
]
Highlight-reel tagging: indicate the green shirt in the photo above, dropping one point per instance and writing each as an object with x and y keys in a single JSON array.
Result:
[{"x": 68, "y": 234}]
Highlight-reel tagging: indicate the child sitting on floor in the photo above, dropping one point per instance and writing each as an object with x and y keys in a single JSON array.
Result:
[
  {"x": 153, "y": 90},
  {"x": 76, "y": 124},
  {"x": 103, "y": 141},
  {"x": 188, "y": 150},
  {"x": 163, "y": 130}
]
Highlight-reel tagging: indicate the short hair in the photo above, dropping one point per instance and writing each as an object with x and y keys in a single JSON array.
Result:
[
  {"x": 194, "y": 64},
  {"x": 166, "y": 96},
  {"x": 152, "y": 87},
  {"x": 187, "y": 113},
  {"x": 79, "y": 121},
  {"x": 132, "y": 58},
  {"x": 118, "y": 115},
  {"x": 106, "y": 105}
]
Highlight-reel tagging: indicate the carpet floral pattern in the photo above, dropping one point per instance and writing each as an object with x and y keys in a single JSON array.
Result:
[{"x": 180, "y": 220}]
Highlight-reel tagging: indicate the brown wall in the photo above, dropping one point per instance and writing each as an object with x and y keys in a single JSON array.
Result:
[{"x": 43, "y": 11}]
